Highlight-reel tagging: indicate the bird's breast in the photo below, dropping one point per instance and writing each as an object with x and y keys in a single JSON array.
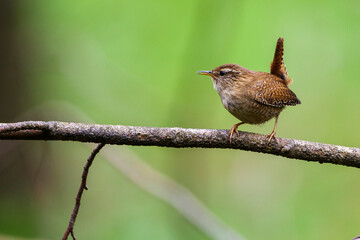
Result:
[{"x": 245, "y": 108}]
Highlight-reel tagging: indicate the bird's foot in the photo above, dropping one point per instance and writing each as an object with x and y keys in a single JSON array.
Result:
[
  {"x": 234, "y": 129},
  {"x": 272, "y": 136}
]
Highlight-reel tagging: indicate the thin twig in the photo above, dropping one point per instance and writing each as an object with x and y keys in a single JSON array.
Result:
[
  {"x": 70, "y": 228},
  {"x": 180, "y": 138}
]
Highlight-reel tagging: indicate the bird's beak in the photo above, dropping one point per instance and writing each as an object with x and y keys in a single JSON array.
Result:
[{"x": 209, "y": 73}]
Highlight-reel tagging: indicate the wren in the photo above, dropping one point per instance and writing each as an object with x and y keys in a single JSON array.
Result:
[{"x": 251, "y": 96}]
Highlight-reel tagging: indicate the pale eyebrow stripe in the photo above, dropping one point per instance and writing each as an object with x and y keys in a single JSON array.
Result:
[{"x": 230, "y": 70}]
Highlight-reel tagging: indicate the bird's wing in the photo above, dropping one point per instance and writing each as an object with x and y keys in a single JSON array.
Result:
[
  {"x": 275, "y": 94},
  {"x": 278, "y": 67}
]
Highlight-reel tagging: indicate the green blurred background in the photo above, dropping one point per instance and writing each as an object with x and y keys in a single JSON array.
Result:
[{"x": 134, "y": 63}]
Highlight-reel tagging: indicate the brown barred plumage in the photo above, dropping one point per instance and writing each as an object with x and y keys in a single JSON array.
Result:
[{"x": 254, "y": 97}]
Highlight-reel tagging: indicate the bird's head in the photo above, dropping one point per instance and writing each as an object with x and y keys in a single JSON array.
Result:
[{"x": 227, "y": 75}]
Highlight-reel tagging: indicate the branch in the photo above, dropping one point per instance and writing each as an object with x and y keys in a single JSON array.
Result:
[
  {"x": 70, "y": 228},
  {"x": 180, "y": 138}
]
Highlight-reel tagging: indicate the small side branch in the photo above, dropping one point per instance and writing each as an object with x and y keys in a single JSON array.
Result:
[
  {"x": 180, "y": 138},
  {"x": 70, "y": 228}
]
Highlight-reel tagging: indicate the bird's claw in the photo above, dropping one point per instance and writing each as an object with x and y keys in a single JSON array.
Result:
[
  {"x": 233, "y": 130},
  {"x": 272, "y": 136}
]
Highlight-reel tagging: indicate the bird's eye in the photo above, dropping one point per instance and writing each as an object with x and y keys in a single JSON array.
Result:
[{"x": 222, "y": 73}]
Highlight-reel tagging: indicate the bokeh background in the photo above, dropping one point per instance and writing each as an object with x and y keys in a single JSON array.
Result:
[{"x": 134, "y": 63}]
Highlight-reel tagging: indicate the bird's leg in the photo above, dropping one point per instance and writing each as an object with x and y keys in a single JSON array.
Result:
[
  {"x": 234, "y": 129},
  {"x": 272, "y": 134}
]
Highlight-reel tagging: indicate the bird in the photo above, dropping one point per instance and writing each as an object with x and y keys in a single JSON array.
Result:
[{"x": 254, "y": 97}]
